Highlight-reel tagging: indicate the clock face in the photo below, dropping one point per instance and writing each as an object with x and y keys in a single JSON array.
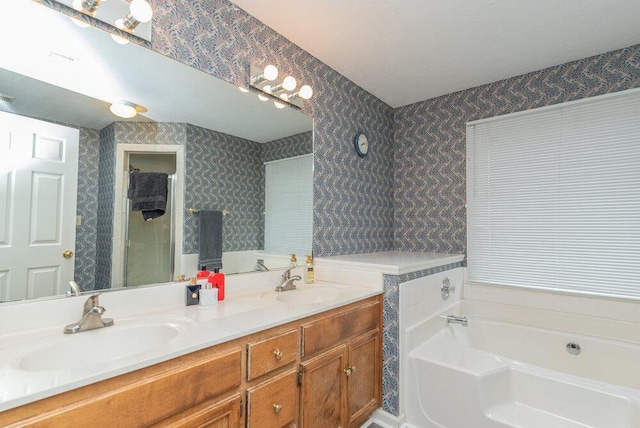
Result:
[{"x": 362, "y": 144}]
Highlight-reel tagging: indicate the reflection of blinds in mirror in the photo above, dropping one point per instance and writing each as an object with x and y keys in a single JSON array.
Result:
[{"x": 289, "y": 205}]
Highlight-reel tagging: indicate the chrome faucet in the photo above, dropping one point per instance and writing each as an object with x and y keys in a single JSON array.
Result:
[
  {"x": 91, "y": 317},
  {"x": 74, "y": 289},
  {"x": 453, "y": 319},
  {"x": 287, "y": 281}
]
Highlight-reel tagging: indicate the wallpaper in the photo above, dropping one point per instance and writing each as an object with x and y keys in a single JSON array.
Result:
[{"x": 430, "y": 150}]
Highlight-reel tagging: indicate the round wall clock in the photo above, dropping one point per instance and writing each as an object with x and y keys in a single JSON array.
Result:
[{"x": 361, "y": 143}]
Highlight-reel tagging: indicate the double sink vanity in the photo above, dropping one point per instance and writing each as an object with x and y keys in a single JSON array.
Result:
[{"x": 260, "y": 358}]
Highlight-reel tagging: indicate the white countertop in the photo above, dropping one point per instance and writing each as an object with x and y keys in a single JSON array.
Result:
[
  {"x": 390, "y": 262},
  {"x": 244, "y": 311}
]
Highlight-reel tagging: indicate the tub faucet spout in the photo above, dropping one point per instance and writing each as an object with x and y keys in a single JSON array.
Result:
[{"x": 454, "y": 319}]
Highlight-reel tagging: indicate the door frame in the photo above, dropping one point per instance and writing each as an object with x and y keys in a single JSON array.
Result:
[{"x": 118, "y": 252}]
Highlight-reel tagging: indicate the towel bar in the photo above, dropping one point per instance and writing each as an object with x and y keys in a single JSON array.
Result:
[{"x": 195, "y": 211}]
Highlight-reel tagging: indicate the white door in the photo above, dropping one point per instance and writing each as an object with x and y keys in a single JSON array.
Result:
[{"x": 38, "y": 190}]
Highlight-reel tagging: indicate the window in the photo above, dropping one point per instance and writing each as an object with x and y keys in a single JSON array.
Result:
[
  {"x": 553, "y": 197},
  {"x": 289, "y": 205}
]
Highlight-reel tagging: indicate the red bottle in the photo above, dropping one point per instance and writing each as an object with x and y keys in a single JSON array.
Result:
[
  {"x": 216, "y": 279},
  {"x": 203, "y": 273}
]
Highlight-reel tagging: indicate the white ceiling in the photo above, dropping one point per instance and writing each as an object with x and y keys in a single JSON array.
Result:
[{"x": 404, "y": 51}]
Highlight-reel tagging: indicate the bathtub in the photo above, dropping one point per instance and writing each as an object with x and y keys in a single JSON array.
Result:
[{"x": 494, "y": 374}]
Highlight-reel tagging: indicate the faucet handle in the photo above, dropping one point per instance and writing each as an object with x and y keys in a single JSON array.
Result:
[{"x": 92, "y": 302}]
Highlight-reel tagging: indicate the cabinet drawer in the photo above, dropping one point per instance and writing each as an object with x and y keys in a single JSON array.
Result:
[
  {"x": 270, "y": 354},
  {"x": 325, "y": 333},
  {"x": 273, "y": 403}
]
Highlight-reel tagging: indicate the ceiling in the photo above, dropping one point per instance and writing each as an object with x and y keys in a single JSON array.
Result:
[{"x": 405, "y": 51}]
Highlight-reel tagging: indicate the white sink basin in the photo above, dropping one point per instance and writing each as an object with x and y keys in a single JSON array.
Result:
[
  {"x": 124, "y": 339},
  {"x": 308, "y": 294}
]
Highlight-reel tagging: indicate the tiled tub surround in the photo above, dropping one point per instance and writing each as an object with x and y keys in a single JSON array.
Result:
[
  {"x": 400, "y": 269},
  {"x": 245, "y": 310}
]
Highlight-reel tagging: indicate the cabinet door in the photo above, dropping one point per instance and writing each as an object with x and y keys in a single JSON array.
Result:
[
  {"x": 363, "y": 383},
  {"x": 323, "y": 399},
  {"x": 221, "y": 414}
]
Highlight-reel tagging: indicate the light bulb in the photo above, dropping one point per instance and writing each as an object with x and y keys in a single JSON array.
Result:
[
  {"x": 305, "y": 92},
  {"x": 267, "y": 88},
  {"x": 284, "y": 97},
  {"x": 278, "y": 105},
  {"x": 123, "y": 109},
  {"x": 270, "y": 72},
  {"x": 289, "y": 83},
  {"x": 262, "y": 98},
  {"x": 79, "y": 23},
  {"x": 243, "y": 89},
  {"x": 119, "y": 40},
  {"x": 141, "y": 10}
]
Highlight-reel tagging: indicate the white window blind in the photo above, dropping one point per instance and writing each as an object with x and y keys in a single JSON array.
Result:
[
  {"x": 289, "y": 205},
  {"x": 553, "y": 197}
]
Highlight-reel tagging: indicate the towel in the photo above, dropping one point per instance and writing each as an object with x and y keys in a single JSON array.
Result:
[
  {"x": 210, "y": 239},
  {"x": 148, "y": 193}
]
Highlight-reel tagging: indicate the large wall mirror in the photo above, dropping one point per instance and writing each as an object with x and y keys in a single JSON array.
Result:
[{"x": 223, "y": 150}]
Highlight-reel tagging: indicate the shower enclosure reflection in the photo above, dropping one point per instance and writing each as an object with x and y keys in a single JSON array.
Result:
[{"x": 149, "y": 245}]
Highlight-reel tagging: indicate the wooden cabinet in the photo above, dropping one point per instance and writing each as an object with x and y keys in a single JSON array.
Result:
[
  {"x": 341, "y": 385},
  {"x": 273, "y": 403},
  {"x": 266, "y": 355},
  {"x": 252, "y": 382},
  {"x": 225, "y": 414}
]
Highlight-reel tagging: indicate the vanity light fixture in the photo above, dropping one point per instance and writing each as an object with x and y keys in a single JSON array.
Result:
[
  {"x": 86, "y": 6},
  {"x": 126, "y": 109},
  {"x": 284, "y": 89},
  {"x": 139, "y": 11},
  {"x": 270, "y": 73}
]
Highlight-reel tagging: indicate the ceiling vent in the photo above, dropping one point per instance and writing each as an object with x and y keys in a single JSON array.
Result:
[{"x": 6, "y": 98}]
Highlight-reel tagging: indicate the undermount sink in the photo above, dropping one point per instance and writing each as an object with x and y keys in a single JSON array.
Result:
[
  {"x": 309, "y": 294},
  {"x": 124, "y": 339}
]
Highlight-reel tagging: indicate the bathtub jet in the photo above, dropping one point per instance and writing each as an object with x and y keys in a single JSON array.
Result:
[{"x": 454, "y": 319}]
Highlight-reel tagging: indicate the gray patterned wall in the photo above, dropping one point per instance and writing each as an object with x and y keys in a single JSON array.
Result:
[
  {"x": 106, "y": 199},
  {"x": 430, "y": 150},
  {"x": 224, "y": 172},
  {"x": 88, "y": 164},
  {"x": 294, "y": 145}
]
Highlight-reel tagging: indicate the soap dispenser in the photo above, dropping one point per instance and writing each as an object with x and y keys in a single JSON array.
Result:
[
  {"x": 293, "y": 262},
  {"x": 202, "y": 276},
  {"x": 309, "y": 270}
]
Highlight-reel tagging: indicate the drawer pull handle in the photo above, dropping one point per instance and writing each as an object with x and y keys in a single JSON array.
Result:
[
  {"x": 277, "y": 408},
  {"x": 350, "y": 370},
  {"x": 278, "y": 354}
]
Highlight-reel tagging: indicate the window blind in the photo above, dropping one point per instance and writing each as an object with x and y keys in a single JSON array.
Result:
[
  {"x": 289, "y": 205},
  {"x": 553, "y": 197}
]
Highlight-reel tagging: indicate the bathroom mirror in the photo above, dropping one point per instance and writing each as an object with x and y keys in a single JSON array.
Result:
[{"x": 67, "y": 74}]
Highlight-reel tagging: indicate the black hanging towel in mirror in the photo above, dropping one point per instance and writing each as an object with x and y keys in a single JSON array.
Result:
[{"x": 148, "y": 193}]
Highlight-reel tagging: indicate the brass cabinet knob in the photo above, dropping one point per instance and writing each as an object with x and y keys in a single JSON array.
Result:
[
  {"x": 277, "y": 408},
  {"x": 278, "y": 354},
  {"x": 350, "y": 370},
  {"x": 67, "y": 254}
]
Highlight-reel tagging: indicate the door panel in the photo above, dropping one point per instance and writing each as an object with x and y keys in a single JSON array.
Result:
[{"x": 38, "y": 191}]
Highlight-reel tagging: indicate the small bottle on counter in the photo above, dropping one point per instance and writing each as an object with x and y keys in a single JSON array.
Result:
[
  {"x": 216, "y": 279},
  {"x": 202, "y": 276},
  {"x": 309, "y": 276},
  {"x": 293, "y": 262}
]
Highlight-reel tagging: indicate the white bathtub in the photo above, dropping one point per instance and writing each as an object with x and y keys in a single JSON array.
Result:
[{"x": 496, "y": 374}]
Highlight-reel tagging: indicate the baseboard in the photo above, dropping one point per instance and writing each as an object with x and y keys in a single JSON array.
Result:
[{"x": 387, "y": 420}]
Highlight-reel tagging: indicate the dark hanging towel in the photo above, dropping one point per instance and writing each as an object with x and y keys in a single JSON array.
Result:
[
  {"x": 148, "y": 193},
  {"x": 210, "y": 239}
]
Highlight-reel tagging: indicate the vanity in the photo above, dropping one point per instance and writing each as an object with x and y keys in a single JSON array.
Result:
[{"x": 306, "y": 357}]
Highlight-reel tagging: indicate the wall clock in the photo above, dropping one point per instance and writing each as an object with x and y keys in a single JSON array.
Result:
[{"x": 361, "y": 143}]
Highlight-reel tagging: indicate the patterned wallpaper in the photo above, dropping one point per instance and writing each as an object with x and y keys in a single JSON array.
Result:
[
  {"x": 294, "y": 145},
  {"x": 430, "y": 150}
]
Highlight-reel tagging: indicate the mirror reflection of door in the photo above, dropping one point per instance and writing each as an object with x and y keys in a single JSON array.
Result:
[
  {"x": 150, "y": 246},
  {"x": 38, "y": 186}
]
